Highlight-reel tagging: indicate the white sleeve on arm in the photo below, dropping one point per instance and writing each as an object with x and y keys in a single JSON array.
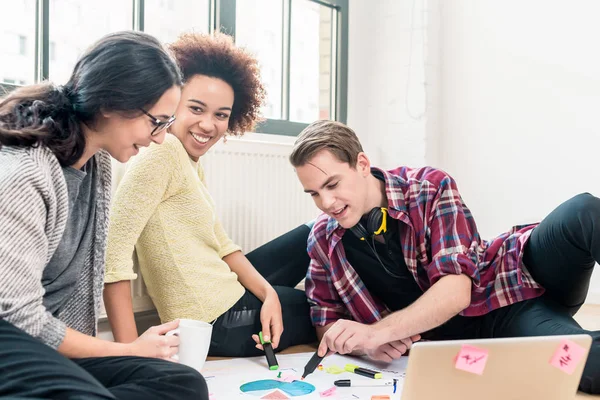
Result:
[{"x": 24, "y": 255}]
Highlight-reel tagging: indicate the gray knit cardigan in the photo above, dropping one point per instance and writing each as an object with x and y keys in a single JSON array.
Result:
[{"x": 33, "y": 212}]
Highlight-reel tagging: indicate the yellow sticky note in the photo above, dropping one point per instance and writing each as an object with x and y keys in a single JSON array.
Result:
[{"x": 334, "y": 369}]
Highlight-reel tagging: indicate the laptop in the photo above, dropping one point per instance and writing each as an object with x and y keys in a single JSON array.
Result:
[{"x": 528, "y": 368}]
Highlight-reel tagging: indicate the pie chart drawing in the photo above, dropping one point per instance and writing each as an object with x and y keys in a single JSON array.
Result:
[{"x": 263, "y": 387}]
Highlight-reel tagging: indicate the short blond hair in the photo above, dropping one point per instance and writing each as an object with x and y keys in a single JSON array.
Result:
[{"x": 333, "y": 136}]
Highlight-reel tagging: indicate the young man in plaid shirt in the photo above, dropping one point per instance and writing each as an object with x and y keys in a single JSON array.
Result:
[{"x": 396, "y": 256}]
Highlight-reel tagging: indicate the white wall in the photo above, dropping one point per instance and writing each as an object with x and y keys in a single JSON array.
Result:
[
  {"x": 502, "y": 94},
  {"x": 389, "y": 57},
  {"x": 520, "y": 99}
]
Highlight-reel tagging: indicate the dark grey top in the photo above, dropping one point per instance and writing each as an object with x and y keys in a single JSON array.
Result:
[{"x": 60, "y": 276}]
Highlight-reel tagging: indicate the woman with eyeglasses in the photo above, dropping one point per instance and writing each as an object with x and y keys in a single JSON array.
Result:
[
  {"x": 55, "y": 184},
  {"x": 163, "y": 209}
]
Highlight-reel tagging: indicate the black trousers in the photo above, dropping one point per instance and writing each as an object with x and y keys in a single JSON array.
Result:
[
  {"x": 283, "y": 262},
  {"x": 32, "y": 370},
  {"x": 560, "y": 255}
]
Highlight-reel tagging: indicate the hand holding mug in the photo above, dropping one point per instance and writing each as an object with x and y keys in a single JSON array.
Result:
[
  {"x": 194, "y": 342},
  {"x": 155, "y": 343}
]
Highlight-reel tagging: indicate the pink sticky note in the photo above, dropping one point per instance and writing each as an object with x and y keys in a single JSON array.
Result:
[
  {"x": 275, "y": 395},
  {"x": 211, "y": 396},
  {"x": 471, "y": 359},
  {"x": 329, "y": 392},
  {"x": 567, "y": 356}
]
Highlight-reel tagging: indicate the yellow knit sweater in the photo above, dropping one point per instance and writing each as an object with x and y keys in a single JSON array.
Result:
[{"x": 163, "y": 208}]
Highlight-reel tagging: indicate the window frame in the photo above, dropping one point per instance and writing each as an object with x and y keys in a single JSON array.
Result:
[
  {"x": 225, "y": 21},
  {"x": 222, "y": 17}
]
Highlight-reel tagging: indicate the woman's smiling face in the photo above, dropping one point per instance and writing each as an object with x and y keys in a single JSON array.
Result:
[{"x": 203, "y": 114}]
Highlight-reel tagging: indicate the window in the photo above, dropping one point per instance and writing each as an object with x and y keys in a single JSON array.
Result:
[
  {"x": 265, "y": 40},
  {"x": 301, "y": 46},
  {"x": 17, "y": 41},
  {"x": 22, "y": 45},
  {"x": 166, "y": 20},
  {"x": 52, "y": 51},
  {"x": 29, "y": 39},
  {"x": 311, "y": 69},
  {"x": 90, "y": 20}
]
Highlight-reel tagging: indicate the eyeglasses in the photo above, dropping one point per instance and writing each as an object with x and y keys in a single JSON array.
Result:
[{"x": 159, "y": 125}]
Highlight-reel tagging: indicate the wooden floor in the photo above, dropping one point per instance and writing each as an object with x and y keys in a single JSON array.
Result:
[{"x": 588, "y": 317}]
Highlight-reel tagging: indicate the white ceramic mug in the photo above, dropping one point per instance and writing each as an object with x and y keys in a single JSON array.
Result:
[{"x": 194, "y": 342}]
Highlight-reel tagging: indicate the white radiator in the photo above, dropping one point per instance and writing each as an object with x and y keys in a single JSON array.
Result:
[{"x": 257, "y": 194}]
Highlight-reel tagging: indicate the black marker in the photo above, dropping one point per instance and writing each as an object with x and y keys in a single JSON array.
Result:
[
  {"x": 312, "y": 364},
  {"x": 365, "y": 382},
  {"x": 269, "y": 353}
]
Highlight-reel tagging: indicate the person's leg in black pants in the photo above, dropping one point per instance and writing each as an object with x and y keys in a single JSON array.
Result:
[
  {"x": 283, "y": 262},
  {"x": 31, "y": 369},
  {"x": 560, "y": 255},
  {"x": 232, "y": 331},
  {"x": 563, "y": 249},
  {"x": 134, "y": 378}
]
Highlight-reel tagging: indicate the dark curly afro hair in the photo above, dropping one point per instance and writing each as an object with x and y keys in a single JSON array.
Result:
[{"x": 217, "y": 56}]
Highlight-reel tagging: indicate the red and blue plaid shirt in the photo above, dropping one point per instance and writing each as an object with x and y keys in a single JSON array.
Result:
[{"x": 438, "y": 236}]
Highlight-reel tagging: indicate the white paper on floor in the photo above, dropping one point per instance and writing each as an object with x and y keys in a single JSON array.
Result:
[{"x": 225, "y": 377}]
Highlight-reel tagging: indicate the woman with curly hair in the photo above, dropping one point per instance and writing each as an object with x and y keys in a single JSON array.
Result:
[
  {"x": 164, "y": 211},
  {"x": 55, "y": 185}
]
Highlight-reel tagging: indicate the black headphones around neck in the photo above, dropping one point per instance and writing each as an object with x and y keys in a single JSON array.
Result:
[{"x": 376, "y": 224}]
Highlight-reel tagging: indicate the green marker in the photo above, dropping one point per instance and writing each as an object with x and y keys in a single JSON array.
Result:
[
  {"x": 363, "y": 371},
  {"x": 269, "y": 353}
]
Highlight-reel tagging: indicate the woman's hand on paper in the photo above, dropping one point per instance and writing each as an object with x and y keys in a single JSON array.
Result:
[{"x": 155, "y": 343}]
